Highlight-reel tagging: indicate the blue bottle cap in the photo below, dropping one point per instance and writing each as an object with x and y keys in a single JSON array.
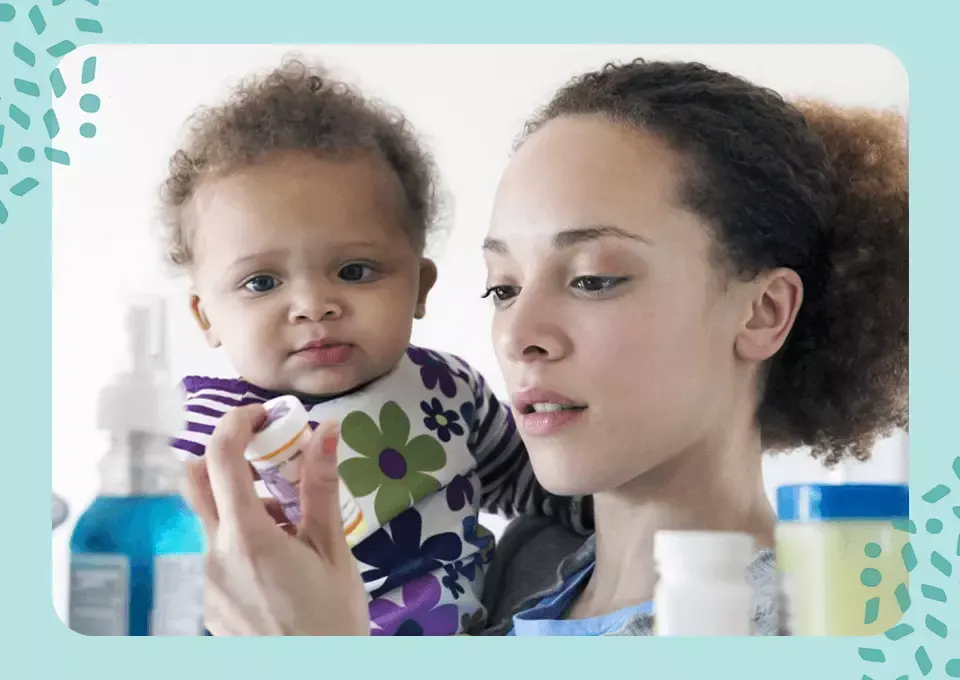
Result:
[{"x": 835, "y": 502}]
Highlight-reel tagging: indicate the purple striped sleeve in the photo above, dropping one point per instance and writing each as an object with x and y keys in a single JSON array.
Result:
[
  {"x": 204, "y": 410},
  {"x": 208, "y": 399},
  {"x": 202, "y": 428},
  {"x": 219, "y": 398},
  {"x": 188, "y": 446}
]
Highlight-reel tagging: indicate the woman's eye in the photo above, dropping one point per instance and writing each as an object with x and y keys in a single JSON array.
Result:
[
  {"x": 596, "y": 284},
  {"x": 501, "y": 293},
  {"x": 261, "y": 284},
  {"x": 356, "y": 272}
]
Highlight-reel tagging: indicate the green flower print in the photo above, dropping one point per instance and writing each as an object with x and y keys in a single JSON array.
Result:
[{"x": 389, "y": 464}]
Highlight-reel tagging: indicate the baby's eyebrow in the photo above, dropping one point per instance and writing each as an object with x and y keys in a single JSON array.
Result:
[
  {"x": 572, "y": 237},
  {"x": 257, "y": 256},
  {"x": 333, "y": 247}
]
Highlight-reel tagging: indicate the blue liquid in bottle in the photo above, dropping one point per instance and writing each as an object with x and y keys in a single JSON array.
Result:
[
  {"x": 137, "y": 567},
  {"x": 137, "y": 552}
]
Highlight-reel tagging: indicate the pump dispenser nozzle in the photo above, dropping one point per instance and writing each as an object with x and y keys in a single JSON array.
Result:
[
  {"x": 146, "y": 335},
  {"x": 141, "y": 409}
]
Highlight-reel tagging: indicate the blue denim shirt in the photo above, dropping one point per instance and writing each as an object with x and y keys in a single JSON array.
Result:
[{"x": 537, "y": 558}]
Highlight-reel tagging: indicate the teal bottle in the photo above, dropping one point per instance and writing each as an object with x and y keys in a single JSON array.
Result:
[{"x": 137, "y": 552}]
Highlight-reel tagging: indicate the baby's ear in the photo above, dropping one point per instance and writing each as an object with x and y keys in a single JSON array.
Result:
[
  {"x": 196, "y": 306},
  {"x": 428, "y": 277}
]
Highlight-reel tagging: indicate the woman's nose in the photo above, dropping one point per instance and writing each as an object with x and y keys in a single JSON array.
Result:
[{"x": 531, "y": 330}]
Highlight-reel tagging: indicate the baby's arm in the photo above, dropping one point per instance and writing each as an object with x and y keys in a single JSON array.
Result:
[
  {"x": 207, "y": 400},
  {"x": 508, "y": 485}
]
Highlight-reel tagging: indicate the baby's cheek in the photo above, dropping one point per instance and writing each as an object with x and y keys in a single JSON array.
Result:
[{"x": 260, "y": 350}]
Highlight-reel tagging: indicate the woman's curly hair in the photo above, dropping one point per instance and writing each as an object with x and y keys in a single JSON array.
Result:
[
  {"x": 815, "y": 188},
  {"x": 296, "y": 108}
]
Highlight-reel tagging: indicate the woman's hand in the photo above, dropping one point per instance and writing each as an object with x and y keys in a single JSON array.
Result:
[{"x": 260, "y": 579}]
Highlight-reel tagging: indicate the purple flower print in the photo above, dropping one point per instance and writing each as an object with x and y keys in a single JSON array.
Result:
[
  {"x": 441, "y": 421},
  {"x": 459, "y": 493},
  {"x": 433, "y": 371},
  {"x": 419, "y": 614},
  {"x": 468, "y": 568},
  {"x": 463, "y": 372},
  {"x": 452, "y": 580},
  {"x": 479, "y": 537},
  {"x": 399, "y": 556},
  {"x": 467, "y": 411}
]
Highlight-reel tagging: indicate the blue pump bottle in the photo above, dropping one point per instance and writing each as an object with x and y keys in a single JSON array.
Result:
[{"x": 137, "y": 552}]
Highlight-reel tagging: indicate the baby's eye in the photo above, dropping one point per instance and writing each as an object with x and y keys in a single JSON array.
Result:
[
  {"x": 262, "y": 283},
  {"x": 356, "y": 272}
]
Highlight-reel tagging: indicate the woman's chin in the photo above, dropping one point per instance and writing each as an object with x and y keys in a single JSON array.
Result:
[{"x": 561, "y": 480}]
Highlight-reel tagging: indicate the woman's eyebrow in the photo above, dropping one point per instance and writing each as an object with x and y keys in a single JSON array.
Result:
[{"x": 572, "y": 237}]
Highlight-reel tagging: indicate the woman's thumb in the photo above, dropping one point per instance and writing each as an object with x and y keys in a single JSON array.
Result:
[{"x": 321, "y": 525}]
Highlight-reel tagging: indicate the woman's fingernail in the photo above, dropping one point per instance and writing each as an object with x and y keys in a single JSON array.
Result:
[{"x": 329, "y": 444}]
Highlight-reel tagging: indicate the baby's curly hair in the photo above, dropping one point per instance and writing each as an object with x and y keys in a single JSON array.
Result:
[
  {"x": 815, "y": 188},
  {"x": 296, "y": 108}
]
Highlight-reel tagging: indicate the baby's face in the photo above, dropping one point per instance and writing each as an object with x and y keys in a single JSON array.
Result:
[{"x": 303, "y": 272}]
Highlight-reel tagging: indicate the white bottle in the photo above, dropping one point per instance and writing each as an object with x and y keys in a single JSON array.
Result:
[
  {"x": 702, "y": 587},
  {"x": 275, "y": 453}
]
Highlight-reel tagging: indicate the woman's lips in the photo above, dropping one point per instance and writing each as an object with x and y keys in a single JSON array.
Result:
[
  {"x": 542, "y": 412},
  {"x": 543, "y": 424}
]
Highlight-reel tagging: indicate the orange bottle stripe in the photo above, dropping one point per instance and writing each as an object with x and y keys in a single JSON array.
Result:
[
  {"x": 286, "y": 446},
  {"x": 353, "y": 525}
]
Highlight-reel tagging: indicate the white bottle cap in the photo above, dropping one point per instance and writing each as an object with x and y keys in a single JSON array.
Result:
[
  {"x": 277, "y": 440},
  {"x": 719, "y": 552}
]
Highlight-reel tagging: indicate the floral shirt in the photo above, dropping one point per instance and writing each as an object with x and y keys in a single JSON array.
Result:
[{"x": 423, "y": 450}]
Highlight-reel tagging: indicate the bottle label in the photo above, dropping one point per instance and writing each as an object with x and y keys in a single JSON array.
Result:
[
  {"x": 284, "y": 491},
  {"x": 177, "y": 595},
  {"x": 354, "y": 525},
  {"x": 99, "y": 593},
  {"x": 277, "y": 410}
]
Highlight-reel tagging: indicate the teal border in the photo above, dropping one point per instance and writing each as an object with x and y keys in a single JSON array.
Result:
[{"x": 920, "y": 34}]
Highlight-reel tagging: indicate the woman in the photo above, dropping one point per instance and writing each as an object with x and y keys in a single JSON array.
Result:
[{"x": 687, "y": 271}]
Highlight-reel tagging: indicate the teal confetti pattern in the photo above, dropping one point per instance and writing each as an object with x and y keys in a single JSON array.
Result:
[
  {"x": 913, "y": 645},
  {"x": 36, "y": 18},
  {"x": 61, "y": 49},
  {"x": 89, "y": 26},
  {"x": 24, "y": 54},
  {"x": 926, "y": 626},
  {"x": 43, "y": 34}
]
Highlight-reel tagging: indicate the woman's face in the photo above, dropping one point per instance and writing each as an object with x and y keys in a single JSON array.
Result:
[{"x": 608, "y": 306}]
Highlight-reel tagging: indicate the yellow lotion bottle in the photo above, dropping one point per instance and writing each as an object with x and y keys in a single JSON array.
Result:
[{"x": 837, "y": 550}]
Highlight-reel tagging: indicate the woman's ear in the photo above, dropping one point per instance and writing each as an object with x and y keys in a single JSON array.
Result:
[
  {"x": 771, "y": 309},
  {"x": 428, "y": 277},
  {"x": 196, "y": 307}
]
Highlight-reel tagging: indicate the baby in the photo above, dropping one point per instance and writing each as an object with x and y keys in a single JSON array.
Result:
[{"x": 300, "y": 210}]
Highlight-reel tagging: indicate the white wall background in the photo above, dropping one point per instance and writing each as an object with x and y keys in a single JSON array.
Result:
[{"x": 469, "y": 102}]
